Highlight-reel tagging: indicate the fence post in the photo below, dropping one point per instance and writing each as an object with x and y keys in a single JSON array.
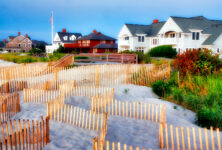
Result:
[
  {"x": 97, "y": 76},
  {"x": 94, "y": 143},
  {"x": 47, "y": 130},
  {"x": 122, "y": 58},
  {"x": 7, "y": 83},
  {"x": 56, "y": 77}
]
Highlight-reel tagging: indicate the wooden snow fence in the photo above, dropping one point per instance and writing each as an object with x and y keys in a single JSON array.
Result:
[
  {"x": 132, "y": 109},
  {"x": 65, "y": 91},
  {"x": 146, "y": 75},
  {"x": 10, "y": 106},
  {"x": 24, "y": 134},
  {"x": 39, "y": 96},
  {"x": 188, "y": 138},
  {"x": 115, "y": 146},
  {"x": 100, "y": 139},
  {"x": 75, "y": 116},
  {"x": 51, "y": 77},
  {"x": 86, "y": 91}
]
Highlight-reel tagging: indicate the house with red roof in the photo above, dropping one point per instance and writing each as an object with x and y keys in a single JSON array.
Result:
[{"x": 96, "y": 42}]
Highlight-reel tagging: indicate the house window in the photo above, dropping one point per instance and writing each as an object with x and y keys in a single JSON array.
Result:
[
  {"x": 111, "y": 42},
  {"x": 126, "y": 38},
  {"x": 19, "y": 45},
  {"x": 193, "y": 35},
  {"x": 102, "y": 42},
  {"x": 72, "y": 38},
  {"x": 29, "y": 45},
  {"x": 65, "y": 38},
  {"x": 218, "y": 50},
  {"x": 94, "y": 50},
  {"x": 179, "y": 35},
  {"x": 197, "y": 36},
  {"x": 155, "y": 41},
  {"x": 140, "y": 38},
  {"x": 172, "y": 35},
  {"x": 24, "y": 45}
]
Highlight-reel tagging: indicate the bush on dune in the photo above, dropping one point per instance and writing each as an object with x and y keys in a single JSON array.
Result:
[
  {"x": 197, "y": 62},
  {"x": 163, "y": 51}
]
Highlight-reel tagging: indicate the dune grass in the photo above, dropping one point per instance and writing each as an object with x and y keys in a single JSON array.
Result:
[
  {"x": 202, "y": 94},
  {"x": 27, "y": 58}
]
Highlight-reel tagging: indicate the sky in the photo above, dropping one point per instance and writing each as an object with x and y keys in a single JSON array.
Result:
[{"x": 32, "y": 17}]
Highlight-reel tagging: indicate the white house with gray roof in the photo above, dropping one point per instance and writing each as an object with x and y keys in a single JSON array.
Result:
[
  {"x": 180, "y": 32},
  {"x": 61, "y": 38}
]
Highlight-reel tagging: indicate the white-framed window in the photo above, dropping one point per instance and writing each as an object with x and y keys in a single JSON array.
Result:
[
  {"x": 94, "y": 50},
  {"x": 172, "y": 35},
  {"x": 126, "y": 38},
  {"x": 140, "y": 38},
  {"x": 24, "y": 45},
  {"x": 180, "y": 35},
  {"x": 155, "y": 41},
  {"x": 72, "y": 38},
  {"x": 29, "y": 45},
  {"x": 65, "y": 38},
  {"x": 195, "y": 35},
  {"x": 19, "y": 45}
]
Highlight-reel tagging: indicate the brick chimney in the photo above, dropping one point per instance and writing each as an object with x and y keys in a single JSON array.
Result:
[
  {"x": 64, "y": 30},
  {"x": 94, "y": 31},
  {"x": 19, "y": 33},
  {"x": 26, "y": 36},
  {"x": 155, "y": 21}
]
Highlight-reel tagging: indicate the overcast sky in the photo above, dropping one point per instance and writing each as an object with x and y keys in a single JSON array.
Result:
[{"x": 107, "y": 16}]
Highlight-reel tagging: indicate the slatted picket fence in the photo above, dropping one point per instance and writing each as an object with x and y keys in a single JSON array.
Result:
[
  {"x": 9, "y": 105},
  {"x": 76, "y": 116},
  {"x": 97, "y": 75},
  {"x": 25, "y": 134},
  {"x": 65, "y": 91},
  {"x": 188, "y": 138},
  {"x": 115, "y": 146},
  {"x": 133, "y": 109}
]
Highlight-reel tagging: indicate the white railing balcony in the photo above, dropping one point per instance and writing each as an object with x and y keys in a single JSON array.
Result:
[
  {"x": 169, "y": 41},
  {"x": 123, "y": 42}
]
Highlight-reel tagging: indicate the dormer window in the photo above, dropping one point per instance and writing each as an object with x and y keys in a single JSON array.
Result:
[
  {"x": 195, "y": 35},
  {"x": 140, "y": 38},
  {"x": 72, "y": 38},
  {"x": 65, "y": 38}
]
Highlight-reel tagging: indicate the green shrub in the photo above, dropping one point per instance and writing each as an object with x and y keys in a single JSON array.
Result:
[
  {"x": 207, "y": 117},
  {"x": 163, "y": 51},
  {"x": 161, "y": 88},
  {"x": 61, "y": 49},
  {"x": 178, "y": 95},
  {"x": 36, "y": 51}
]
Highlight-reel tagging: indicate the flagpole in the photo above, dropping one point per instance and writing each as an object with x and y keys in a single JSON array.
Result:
[{"x": 52, "y": 26}]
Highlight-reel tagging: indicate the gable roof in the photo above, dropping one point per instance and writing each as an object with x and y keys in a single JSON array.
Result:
[
  {"x": 62, "y": 34},
  {"x": 149, "y": 30},
  {"x": 104, "y": 46},
  {"x": 97, "y": 36},
  {"x": 212, "y": 27}
]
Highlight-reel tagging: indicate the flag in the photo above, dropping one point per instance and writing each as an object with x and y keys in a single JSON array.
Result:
[{"x": 51, "y": 18}]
